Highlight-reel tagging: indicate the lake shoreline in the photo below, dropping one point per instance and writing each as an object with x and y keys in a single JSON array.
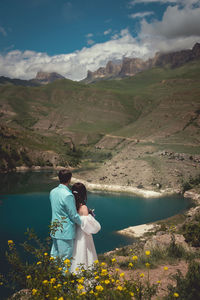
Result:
[{"x": 125, "y": 189}]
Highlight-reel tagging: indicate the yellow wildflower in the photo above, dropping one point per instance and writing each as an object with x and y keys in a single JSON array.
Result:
[
  {"x": 176, "y": 295},
  {"x": 147, "y": 265},
  {"x": 83, "y": 293},
  {"x": 61, "y": 298},
  {"x": 59, "y": 269},
  {"x": 142, "y": 275},
  {"x": 72, "y": 281},
  {"x": 96, "y": 261},
  {"x": 45, "y": 281},
  {"x": 80, "y": 287},
  {"x": 99, "y": 288},
  {"x": 165, "y": 268},
  {"x": 66, "y": 271},
  {"x": 34, "y": 291},
  {"x": 113, "y": 260},
  {"x": 65, "y": 282},
  {"x": 67, "y": 261},
  {"x": 147, "y": 252},
  {"x": 119, "y": 287},
  {"x": 28, "y": 276},
  {"x": 131, "y": 294},
  {"x": 107, "y": 281},
  {"x": 59, "y": 285},
  {"x": 80, "y": 280},
  {"x": 77, "y": 269},
  {"x": 130, "y": 265},
  {"x": 96, "y": 277},
  {"x": 91, "y": 292},
  {"x": 10, "y": 242},
  {"x": 135, "y": 257},
  {"x": 39, "y": 263},
  {"x": 45, "y": 254},
  {"x": 117, "y": 281},
  {"x": 158, "y": 281},
  {"x": 122, "y": 275},
  {"x": 51, "y": 258},
  {"x": 103, "y": 264},
  {"x": 117, "y": 270},
  {"x": 52, "y": 280},
  {"x": 104, "y": 272}
]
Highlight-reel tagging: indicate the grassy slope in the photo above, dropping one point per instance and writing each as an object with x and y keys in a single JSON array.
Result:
[
  {"x": 159, "y": 105},
  {"x": 169, "y": 99}
]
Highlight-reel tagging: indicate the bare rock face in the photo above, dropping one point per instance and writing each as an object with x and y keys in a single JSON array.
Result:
[
  {"x": 175, "y": 59},
  {"x": 45, "y": 77},
  {"x": 132, "y": 66}
]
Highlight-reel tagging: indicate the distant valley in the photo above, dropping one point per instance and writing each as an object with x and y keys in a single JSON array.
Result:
[{"x": 133, "y": 125}]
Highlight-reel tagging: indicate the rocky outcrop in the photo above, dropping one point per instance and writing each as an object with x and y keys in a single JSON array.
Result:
[
  {"x": 132, "y": 66},
  {"x": 45, "y": 77},
  {"x": 111, "y": 70},
  {"x": 175, "y": 59}
]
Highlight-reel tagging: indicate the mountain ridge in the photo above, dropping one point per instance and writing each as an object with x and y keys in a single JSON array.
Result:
[{"x": 132, "y": 66}]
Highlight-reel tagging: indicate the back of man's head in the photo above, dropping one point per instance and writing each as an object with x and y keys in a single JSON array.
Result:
[{"x": 65, "y": 176}]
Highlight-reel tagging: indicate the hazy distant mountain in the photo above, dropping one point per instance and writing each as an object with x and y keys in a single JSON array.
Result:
[
  {"x": 132, "y": 66},
  {"x": 6, "y": 80},
  {"x": 47, "y": 77},
  {"x": 40, "y": 79}
]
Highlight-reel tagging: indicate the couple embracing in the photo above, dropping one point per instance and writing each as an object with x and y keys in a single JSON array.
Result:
[{"x": 73, "y": 239}]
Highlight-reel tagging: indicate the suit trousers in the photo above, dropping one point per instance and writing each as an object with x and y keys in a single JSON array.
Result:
[{"x": 62, "y": 248}]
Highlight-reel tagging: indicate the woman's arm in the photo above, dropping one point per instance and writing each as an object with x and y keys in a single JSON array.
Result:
[{"x": 83, "y": 210}]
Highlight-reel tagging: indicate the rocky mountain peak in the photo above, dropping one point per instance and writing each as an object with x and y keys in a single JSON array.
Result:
[
  {"x": 47, "y": 77},
  {"x": 132, "y": 66}
]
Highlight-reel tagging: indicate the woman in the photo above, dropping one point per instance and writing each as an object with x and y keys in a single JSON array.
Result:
[{"x": 84, "y": 252}]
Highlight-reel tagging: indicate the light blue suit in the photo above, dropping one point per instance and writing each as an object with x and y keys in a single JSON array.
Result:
[{"x": 63, "y": 210}]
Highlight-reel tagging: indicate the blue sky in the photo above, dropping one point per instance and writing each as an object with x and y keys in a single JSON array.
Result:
[{"x": 71, "y": 37}]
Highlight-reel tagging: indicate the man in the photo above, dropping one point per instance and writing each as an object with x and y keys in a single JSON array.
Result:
[{"x": 64, "y": 217}]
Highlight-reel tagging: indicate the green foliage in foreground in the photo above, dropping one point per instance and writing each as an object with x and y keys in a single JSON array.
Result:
[
  {"x": 47, "y": 278},
  {"x": 188, "y": 287},
  {"x": 191, "y": 231}
]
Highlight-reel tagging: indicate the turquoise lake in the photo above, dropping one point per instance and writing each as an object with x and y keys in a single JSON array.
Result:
[{"x": 24, "y": 203}]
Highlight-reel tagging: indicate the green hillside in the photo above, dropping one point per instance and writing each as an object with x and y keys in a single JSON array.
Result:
[{"x": 155, "y": 105}]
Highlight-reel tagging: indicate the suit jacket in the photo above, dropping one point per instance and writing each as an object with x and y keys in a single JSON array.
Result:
[{"x": 64, "y": 210}]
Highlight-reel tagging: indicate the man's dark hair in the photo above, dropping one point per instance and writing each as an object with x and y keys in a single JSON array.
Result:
[{"x": 64, "y": 175}]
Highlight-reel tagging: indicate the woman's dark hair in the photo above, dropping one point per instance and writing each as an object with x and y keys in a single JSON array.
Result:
[
  {"x": 80, "y": 193},
  {"x": 64, "y": 175}
]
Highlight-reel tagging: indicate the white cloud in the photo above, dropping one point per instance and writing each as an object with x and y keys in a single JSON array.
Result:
[
  {"x": 3, "y": 31},
  {"x": 89, "y": 35},
  {"x": 175, "y": 23},
  {"x": 178, "y": 29},
  {"x": 182, "y": 3},
  {"x": 24, "y": 65},
  {"x": 141, "y": 14},
  {"x": 106, "y": 32}
]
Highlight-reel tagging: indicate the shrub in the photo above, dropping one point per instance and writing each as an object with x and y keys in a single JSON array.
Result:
[
  {"x": 191, "y": 232},
  {"x": 188, "y": 287},
  {"x": 49, "y": 278}
]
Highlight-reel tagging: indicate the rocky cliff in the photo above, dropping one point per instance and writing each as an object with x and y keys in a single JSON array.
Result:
[
  {"x": 132, "y": 66},
  {"x": 47, "y": 77}
]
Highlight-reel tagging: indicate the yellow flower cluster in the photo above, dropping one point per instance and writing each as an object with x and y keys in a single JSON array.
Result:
[
  {"x": 99, "y": 288},
  {"x": 10, "y": 242}
]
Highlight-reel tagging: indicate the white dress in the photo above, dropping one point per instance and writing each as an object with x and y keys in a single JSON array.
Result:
[{"x": 84, "y": 250}]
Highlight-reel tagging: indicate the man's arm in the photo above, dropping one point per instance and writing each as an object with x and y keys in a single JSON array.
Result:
[{"x": 71, "y": 209}]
